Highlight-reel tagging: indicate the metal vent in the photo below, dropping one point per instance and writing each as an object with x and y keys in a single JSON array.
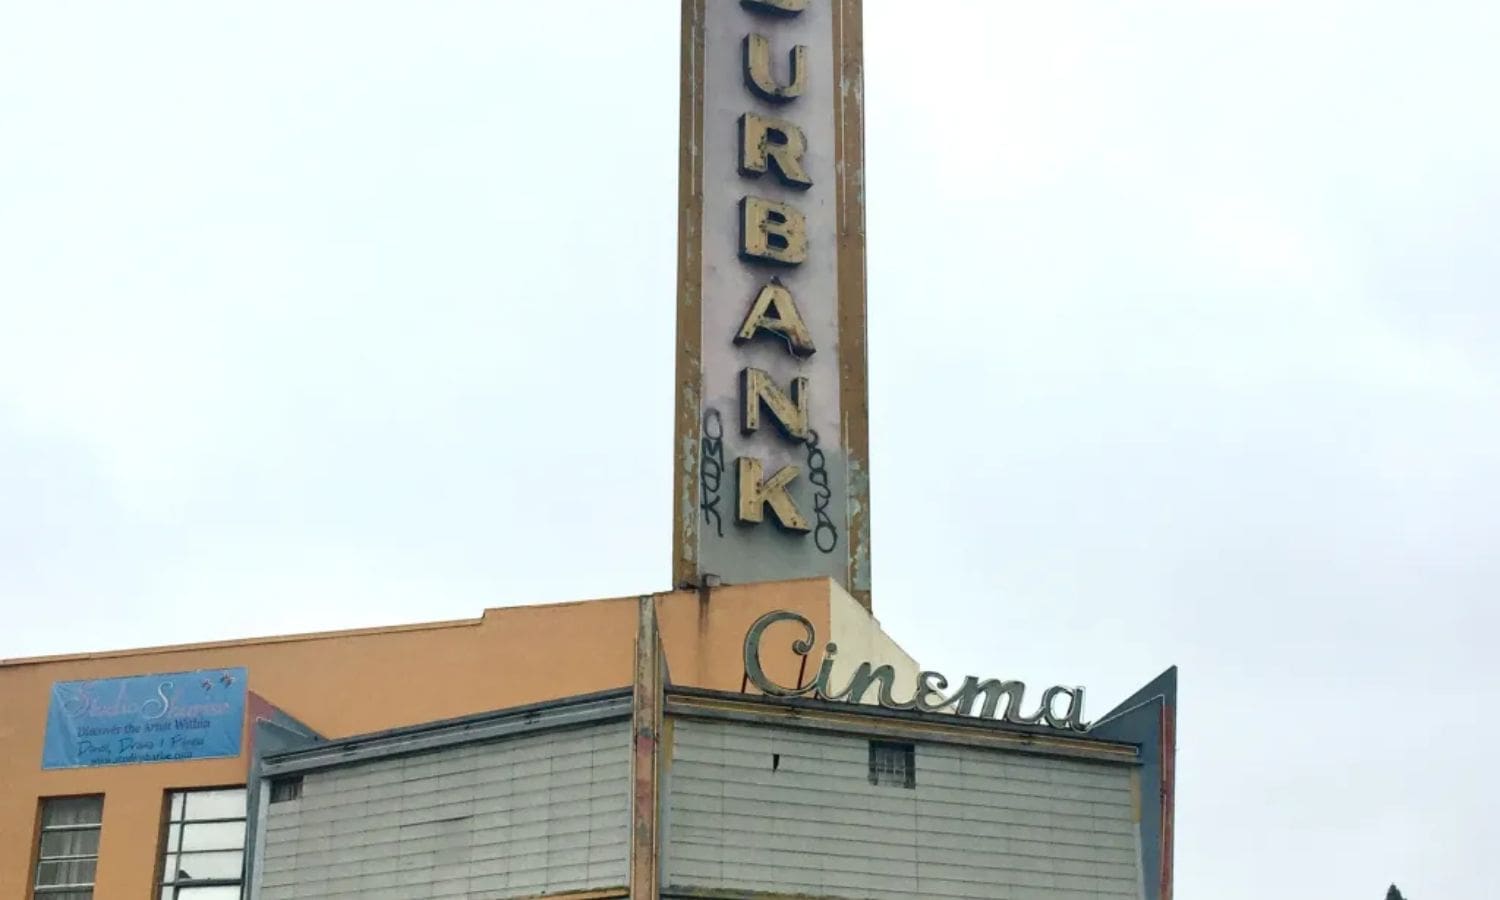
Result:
[
  {"x": 893, "y": 764},
  {"x": 284, "y": 789}
]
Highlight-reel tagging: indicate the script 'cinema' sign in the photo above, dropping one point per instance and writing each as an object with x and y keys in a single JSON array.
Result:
[
  {"x": 771, "y": 396},
  {"x": 1059, "y": 707}
]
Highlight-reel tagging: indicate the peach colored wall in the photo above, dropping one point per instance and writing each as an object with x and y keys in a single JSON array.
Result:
[
  {"x": 353, "y": 682},
  {"x": 705, "y": 641}
]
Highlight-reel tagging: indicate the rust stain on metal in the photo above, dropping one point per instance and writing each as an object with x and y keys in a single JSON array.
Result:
[
  {"x": 689, "y": 299},
  {"x": 1168, "y": 797},
  {"x": 859, "y": 527},
  {"x": 864, "y": 723},
  {"x": 1135, "y": 797},
  {"x": 645, "y": 761},
  {"x": 668, "y": 747},
  {"x": 854, "y": 392}
]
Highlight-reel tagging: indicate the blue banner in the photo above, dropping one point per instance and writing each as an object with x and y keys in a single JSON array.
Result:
[{"x": 145, "y": 718}]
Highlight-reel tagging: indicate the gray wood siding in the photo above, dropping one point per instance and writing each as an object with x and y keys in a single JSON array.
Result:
[
  {"x": 978, "y": 824},
  {"x": 530, "y": 815}
]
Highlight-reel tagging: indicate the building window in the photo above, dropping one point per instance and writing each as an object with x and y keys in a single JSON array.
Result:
[
  {"x": 893, "y": 764},
  {"x": 204, "y": 857},
  {"x": 284, "y": 789},
  {"x": 69, "y": 849}
]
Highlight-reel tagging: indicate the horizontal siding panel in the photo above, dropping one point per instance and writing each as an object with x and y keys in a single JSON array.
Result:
[
  {"x": 816, "y": 816},
  {"x": 794, "y": 836},
  {"x": 533, "y": 814},
  {"x": 795, "y": 774},
  {"x": 760, "y": 808}
]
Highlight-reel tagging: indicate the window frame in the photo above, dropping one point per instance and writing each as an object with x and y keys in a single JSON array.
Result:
[
  {"x": 168, "y": 887},
  {"x": 41, "y": 891},
  {"x": 888, "y": 776},
  {"x": 286, "y": 789}
]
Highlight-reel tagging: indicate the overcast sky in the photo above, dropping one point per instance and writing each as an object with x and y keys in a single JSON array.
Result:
[{"x": 1184, "y": 348}]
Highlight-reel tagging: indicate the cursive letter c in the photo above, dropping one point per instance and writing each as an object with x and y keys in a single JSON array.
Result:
[{"x": 753, "y": 669}]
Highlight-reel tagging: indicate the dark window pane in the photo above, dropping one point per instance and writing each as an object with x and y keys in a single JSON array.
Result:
[
  {"x": 73, "y": 811},
  {"x": 284, "y": 789},
  {"x": 82, "y": 842},
  {"x": 69, "y": 848},
  {"x": 69, "y": 871},
  {"x": 893, "y": 763}
]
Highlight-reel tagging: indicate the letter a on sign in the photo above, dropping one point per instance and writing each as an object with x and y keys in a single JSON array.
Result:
[{"x": 775, "y": 311}]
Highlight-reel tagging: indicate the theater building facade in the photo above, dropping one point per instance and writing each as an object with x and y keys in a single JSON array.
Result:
[
  {"x": 751, "y": 734},
  {"x": 688, "y": 744}
]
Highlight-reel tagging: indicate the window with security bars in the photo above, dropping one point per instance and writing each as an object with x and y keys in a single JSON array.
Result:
[
  {"x": 285, "y": 790},
  {"x": 893, "y": 764},
  {"x": 204, "y": 854},
  {"x": 69, "y": 850}
]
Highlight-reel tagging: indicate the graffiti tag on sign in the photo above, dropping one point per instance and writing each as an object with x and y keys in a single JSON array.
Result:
[{"x": 712, "y": 468}]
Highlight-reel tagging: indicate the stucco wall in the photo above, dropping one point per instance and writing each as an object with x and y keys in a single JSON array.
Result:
[
  {"x": 861, "y": 639},
  {"x": 356, "y": 682}
]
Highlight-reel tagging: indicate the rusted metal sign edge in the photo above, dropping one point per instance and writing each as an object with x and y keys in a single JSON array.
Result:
[
  {"x": 874, "y": 721},
  {"x": 646, "y": 756}
]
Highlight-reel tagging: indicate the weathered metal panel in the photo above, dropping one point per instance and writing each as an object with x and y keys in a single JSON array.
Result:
[
  {"x": 901, "y": 725},
  {"x": 1149, "y": 718},
  {"x": 854, "y": 389},
  {"x": 758, "y": 808},
  {"x": 466, "y": 730},
  {"x": 536, "y": 814}
]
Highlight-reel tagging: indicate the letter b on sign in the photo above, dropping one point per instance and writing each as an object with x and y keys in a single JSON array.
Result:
[{"x": 772, "y": 232}]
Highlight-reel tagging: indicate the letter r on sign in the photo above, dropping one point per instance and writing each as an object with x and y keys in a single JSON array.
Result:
[{"x": 768, "y": 144}]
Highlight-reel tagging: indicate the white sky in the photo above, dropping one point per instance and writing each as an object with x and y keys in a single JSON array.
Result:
[{"x": 1185, "y": 348}]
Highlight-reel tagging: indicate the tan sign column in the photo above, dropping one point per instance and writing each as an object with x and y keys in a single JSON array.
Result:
[{"x": 772, "y": 475}]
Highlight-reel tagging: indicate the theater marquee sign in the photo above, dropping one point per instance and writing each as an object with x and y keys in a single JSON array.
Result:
[
  {"x": 771, "y": 477},
  {"x": 1058, "y": 707}
]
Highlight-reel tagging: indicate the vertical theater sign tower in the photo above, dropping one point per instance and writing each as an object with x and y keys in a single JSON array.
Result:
[{"x": 772, "y": 449}]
